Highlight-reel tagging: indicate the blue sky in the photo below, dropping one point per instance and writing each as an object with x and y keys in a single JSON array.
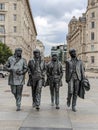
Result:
[{"x": 52, "y": 17}]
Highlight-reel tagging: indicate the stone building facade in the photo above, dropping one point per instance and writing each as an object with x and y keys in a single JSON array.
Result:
[
  {"x": 61, "y": 51},
  {"x": 17, "y": 28},
  {"x": 83, "y": 36}
]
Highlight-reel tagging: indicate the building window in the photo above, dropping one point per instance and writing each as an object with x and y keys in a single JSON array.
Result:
[
  {"x": 15, "y": 29},
  {"x": 93, "y": 14},
  {"x": 2, "y": 29},
  {"x": 2, "y": 6},
  {"x": 92, "y": 47},
  {"x": 15, "y": 6},
  {"x": 2, "y": 39},
  {"x": 92, "y": 59},
  {"x": 15, "y": 17},
  {"x": 2, "y": 17},
  {"x": 92, "y": 36},
  {"x": 92, "y": 24}
]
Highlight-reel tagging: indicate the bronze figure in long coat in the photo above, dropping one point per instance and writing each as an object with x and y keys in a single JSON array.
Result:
[
  {"x": 17, "y": 67},
  {"x": 74, "y": 74}
]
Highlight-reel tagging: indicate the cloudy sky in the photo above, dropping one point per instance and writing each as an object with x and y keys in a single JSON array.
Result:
[{"x": 52, "y": 17}]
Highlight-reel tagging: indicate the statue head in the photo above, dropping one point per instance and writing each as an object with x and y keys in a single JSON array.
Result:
[
  {"x": 18, "y": 52},
  {"x": 54, "y": 57},
  {"x": 72, "y": 53},
  {"x": 36, "y": 53}
]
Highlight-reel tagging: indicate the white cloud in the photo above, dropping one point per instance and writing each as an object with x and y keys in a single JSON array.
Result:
[
  {"x": 53, "y": 44},
  {"x": 42, "y": 25},
  {"x": 77, "y": 13},
  {"x": 52, "y": 18}
]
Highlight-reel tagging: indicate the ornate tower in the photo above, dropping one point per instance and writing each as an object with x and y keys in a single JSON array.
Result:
[
  {"x": 92, "y": 3},
  {"x": 92, "y": 35}
]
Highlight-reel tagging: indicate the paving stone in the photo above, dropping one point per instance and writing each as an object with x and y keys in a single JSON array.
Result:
[
  {"x": 8, "y": 128},
  {"x": 86, "y": 118},
  {"x": 84, "y": 129},
  {"x": 13, "y": 115},
  {"x": 49, "y": 117},
  {"x": 34, "y": 128}
]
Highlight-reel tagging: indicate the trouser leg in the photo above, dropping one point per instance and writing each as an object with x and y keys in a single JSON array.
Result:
[
  {"x": 75, "y": 93},
  {"x": 70, "y": 92},
  {"x": 38, "y": 92},
  {"x": 19, "y": 95},
  {"x": 52, "y": 94},
  {"x": 56, "y": 94},
  {"x": 32, "y": 93},
  {"x": 69, "y": 99},
  {"x": 33, "y": 90},
  {"x": 13, "y": 90}
]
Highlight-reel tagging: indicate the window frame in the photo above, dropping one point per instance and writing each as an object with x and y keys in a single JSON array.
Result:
[
  {"x": 15, "y": 6},
  {"x": 2, "y": 18},
  {"x": 92, "y": 59},
  {"x": 93, "y": 14},
  {"x": 2, "y": 32},
  {"x": 92, "y": 47},
  {"x": 15, "y": 29},
  {"x": 92, "y": 24},
  {"x": 2, "y": 39},
  {"x": 15, "y": 17},
  {"x": 2, "y": 6},
  {"x": 92, "y": 36}
]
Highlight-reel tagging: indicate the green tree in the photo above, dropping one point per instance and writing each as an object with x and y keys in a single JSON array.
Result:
[{"x": 5, "y": 53}]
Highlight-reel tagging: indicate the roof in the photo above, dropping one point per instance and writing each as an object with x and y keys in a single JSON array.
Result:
[
  {"x": 74, "y": 19},
  {"x": 31, "y": 15}
]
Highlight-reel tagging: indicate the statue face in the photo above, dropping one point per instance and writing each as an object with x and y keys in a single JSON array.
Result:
[
  {"x": 18, "y": 53},
  {"x": 54, "y": 58},
  {"x": 36, "y": 54},
  {"x": 73, "y": 53}
]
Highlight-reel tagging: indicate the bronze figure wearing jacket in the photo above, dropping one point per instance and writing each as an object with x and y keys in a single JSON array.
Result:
[
  {"x": 36, "y": 71},
  {"x": 17, "y": 67},
  {"x": 74, "y": 74},
  {"x": 54, "y": 77}
]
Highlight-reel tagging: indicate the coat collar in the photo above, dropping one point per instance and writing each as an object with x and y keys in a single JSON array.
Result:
[{"x": 75, "y": 59}]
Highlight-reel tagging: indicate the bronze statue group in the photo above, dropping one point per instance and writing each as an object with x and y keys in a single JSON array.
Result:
[{"x": 37, "y": 70}]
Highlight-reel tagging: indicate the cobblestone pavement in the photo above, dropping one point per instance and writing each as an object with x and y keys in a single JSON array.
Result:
[{"x": 86, "y": 118}]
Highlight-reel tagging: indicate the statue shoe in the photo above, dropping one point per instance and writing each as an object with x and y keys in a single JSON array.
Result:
[
  {"x": 68, "y": 103},
  {"x": 18, "y": 108},
  {"x": 52, "y": 104},
  {"x": 37, "y": 107},
  {"x": 57, "y": 107},
  {"x": 33, "y": 104},
  {"x": 74, "y": 109}
]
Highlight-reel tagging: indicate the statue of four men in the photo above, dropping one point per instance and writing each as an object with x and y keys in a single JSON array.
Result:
[{"x": 37, "y": 68}]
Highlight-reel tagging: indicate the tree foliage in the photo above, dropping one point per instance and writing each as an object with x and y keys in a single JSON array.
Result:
[{"x": 5, "y": 53}]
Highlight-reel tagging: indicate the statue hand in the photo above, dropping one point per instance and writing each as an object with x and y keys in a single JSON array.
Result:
[
  {"x": 30, "y": 76},
  {"x": 19, "y": 72},
  {"x": 9, "y": 69}
]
